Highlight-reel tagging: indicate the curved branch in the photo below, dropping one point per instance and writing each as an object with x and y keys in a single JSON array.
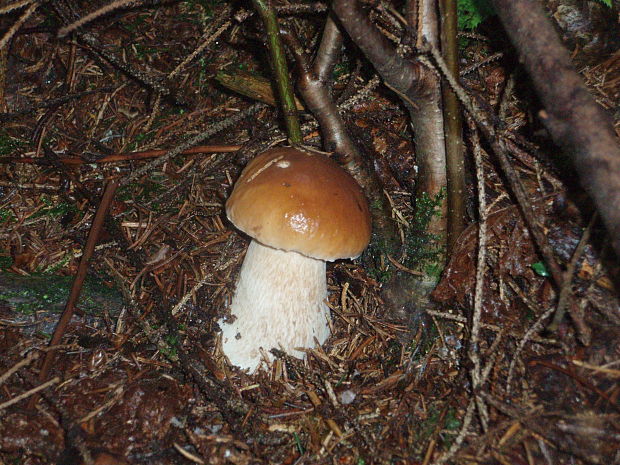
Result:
[{"x": 403, "y": 76}]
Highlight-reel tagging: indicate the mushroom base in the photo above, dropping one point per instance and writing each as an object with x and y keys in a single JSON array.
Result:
[{"x": 279, "y": 303}]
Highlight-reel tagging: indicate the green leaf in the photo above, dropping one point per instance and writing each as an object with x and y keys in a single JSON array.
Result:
[
  {"x": 473, "y": 12},
  {"x": 300, "y": 446},
  {"x": 540, "y": 269}
]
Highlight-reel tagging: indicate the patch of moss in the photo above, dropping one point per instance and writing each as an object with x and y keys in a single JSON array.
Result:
[
  {"x": 473, "y": 12},
  {"x": 342, "y": 69},
  {"x": 423, "y": 251},
  {"x": 5, "y": 260},
  {"x": 6, "y": 216},
  {"x": 143, "y": 191},
  {"x": 9, "y": 144},
  {"x": 170, "y": 351},
  {"x": 28, "y": 294},
  {"x": 432, "y": 423},
  {"x": 55, "y": 209}
]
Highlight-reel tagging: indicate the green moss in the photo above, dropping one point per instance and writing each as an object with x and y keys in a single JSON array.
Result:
[
  {"x": 473, "y": 12},
  {"x": 377, "y": 266},
  {"x": 451, "y": 422},
  {"x": 6, "y": 216},
  {"x": 426, "y": 428},
  {"x": 342, "y": 69},
  {"x": 9, "y": 144},
  {"x": 5, "y": 260},
  {"x": 423, "y": 251},
  {"x": 54, "y": 209},
  {"x": 28, "y": 294},
  {"x": 170, "y": 351}
]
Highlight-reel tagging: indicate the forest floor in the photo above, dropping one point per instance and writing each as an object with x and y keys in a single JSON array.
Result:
[{"x": 139, "y": 376}]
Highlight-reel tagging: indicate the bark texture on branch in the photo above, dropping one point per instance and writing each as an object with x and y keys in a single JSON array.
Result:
[
  {"x": 576, "y": 122},
  {"x": 314, "y": 84},
  {"x": 418, "y": 86},
  {"x": 419, "y": 89},
  {"x": 455, "y": 149}
]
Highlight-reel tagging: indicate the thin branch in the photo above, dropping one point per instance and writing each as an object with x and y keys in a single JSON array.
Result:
[
  {"x": 499, "y": 146},
  {"x": 453, "y": 127},
  {"x": 29, "y": 393},
  {"x": 329, "y": 51},
  {"x": 51, "y": 103},
  {"x": 115, "y": 5},
  {"x": 537, "y": 326},
  {"x": 280, "y": 70},
  {"x": 145, "y": 78},
  {"x": 26, "y": 361},
  {"x": 474, "y": 343},
  {"x": 566, "y": 289},
  {"x": 15, "y": 26},
  {"x": 76, "y": 288},
  {"x": 131, "y": 156},
  {"x": 214, "y": 129},
  {"x": 216, "y": 29},
  {"x": 14, "y": 6}
]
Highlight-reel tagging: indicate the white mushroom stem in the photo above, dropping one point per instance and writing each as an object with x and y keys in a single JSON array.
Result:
[{"x": 279, "y": 302}]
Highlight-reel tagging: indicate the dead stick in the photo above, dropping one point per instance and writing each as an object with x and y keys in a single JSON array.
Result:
[
  {"x": 129, "y": 156},
  {"x": 76, "y": 288},
  {"x": 30, "y": 392}
]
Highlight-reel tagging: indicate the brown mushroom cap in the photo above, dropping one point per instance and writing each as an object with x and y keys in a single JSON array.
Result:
[{"x": 301, "y": 201}]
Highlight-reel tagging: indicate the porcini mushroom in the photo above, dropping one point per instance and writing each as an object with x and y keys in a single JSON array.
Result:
[{"x": 301, "y": 209}]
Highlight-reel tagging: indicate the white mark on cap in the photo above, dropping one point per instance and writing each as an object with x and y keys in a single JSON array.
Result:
[
  {"x": 264, "y": 167},
  {"x": 301, "y": 224},
  {"x": 283, "y": 164}
]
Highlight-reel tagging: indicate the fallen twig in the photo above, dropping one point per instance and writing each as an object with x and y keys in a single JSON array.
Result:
[
  {"x": 93, "y": 236},
  {"x": 131, "y": 156}
]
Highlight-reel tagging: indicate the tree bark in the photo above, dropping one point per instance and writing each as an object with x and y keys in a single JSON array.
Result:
[
  {"x": 419, "y": 89},
  {"x": 455, "y": 149},
  {"x": 577, "y": 124}
]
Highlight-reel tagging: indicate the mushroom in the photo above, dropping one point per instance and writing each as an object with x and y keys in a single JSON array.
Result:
[{"x": 301, "y": 209}]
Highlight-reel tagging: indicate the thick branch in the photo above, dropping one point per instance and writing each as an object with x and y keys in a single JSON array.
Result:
[
  {"x": 329, "y": 51},
  {"x": 576, "y": 122},
  {"x": 402, "y": 75},
  {"x": 418, "y": 87}
]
